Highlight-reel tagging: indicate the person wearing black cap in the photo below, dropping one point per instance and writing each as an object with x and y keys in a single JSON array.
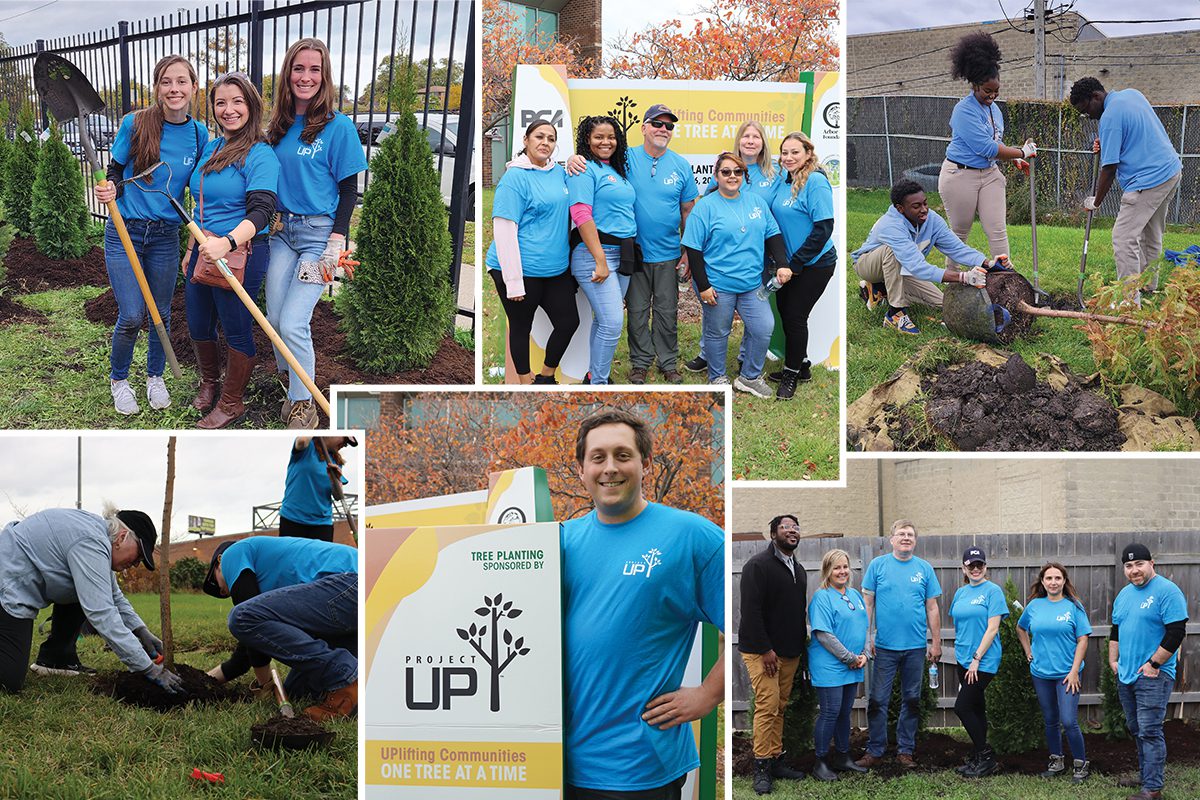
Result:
[
  {"x": 295, "y": 600},
  {"x": 68, "y": 558},
  {"x": 977, "y": 609},
  {"x": 307, "y": 508},
  {"x": 1149, "y": 620}
]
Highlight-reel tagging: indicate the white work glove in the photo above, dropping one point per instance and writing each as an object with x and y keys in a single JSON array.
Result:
[
  {"x": 328, "y": 261},
  {"x": 974, "y": 277},
  {"x": 1089, "y": 203},
  {"x": 1029, "y": 149}
]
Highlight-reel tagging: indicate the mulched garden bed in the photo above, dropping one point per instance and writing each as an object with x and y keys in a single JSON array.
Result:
[
  {"x": 12, "y": 311},
  {"x": 30, "y": 271},
  {"x": 199, "y": 687}
]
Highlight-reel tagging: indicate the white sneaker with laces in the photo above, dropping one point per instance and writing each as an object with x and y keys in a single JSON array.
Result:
[
  {"x": 123, "y": 397},
  {"x": 156, "y": 391},
  {"x": 755, "y": 386}
]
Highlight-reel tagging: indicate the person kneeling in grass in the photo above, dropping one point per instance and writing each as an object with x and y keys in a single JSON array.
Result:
[
  {"x": 892, "y": 265},
  {"x": 295, "y": 600}
]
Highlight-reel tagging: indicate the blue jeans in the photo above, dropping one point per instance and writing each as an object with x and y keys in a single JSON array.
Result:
[
  {"x": 208, "y": 304},
  {"x": 290, "y": 301},
  {"x": 1060, "y": 712},
  {"x": 717, "y": 322},
  {"x": 833, "y": 719},
  {"x": 608, "y": 310},
  {"x": 911, "y": 666},
  {"x": 1145, "y": 705},
  {"x": 156, "y": 243},
  {"x": 311, "y": 627}
]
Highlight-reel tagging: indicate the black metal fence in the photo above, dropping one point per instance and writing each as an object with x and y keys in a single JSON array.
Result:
[{"x": 371, "y": 42}]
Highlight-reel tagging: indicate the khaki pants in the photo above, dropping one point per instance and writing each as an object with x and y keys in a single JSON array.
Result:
[
  {"x": 1138, "y": 233},
  {"x": 771, "y": 695},
  {"x": 881, "y": 266},
  {"x": 966, "y": 192}
]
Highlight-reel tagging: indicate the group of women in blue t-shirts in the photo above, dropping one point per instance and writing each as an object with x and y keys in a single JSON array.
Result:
[
  {"x": 302, "y": 165},
  {"x": 556, "y": 233},
  {"x": 1053, "y": 631}
]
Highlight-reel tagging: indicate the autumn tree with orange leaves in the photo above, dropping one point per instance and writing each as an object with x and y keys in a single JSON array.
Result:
[
  {"x": 737, "y": 40},
  {"x": 434, "y": 444}
]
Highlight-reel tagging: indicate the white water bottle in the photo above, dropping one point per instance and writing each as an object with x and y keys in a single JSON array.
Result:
[
  {"x": 771, "y": 288},
  {"x": 933, "y": 676}
]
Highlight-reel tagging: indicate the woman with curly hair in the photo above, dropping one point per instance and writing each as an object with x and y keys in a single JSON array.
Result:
[
  {"x": 970, "y": 182},
  {"x": 603, "y": 243}
]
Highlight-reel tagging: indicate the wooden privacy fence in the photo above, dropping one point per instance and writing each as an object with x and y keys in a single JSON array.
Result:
[{"x": 1092, "y": 560}]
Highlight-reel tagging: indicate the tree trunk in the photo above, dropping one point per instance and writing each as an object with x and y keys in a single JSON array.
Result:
[{"x": 164, "y": 560}]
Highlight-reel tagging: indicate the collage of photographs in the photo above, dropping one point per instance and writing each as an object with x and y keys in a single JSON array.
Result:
[{"x": 684, "y": 380}]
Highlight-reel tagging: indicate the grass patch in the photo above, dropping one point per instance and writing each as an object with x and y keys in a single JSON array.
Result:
[
  {"x": 942, "y": 353},
  {"x": 62, "y": 741}
]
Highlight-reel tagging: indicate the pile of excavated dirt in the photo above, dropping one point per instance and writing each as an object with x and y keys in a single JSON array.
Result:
[{"x": 198, "y": 687}]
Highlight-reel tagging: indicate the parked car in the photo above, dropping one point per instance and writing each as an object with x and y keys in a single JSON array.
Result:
[
  {"x": 370, "y": 124},
  {"x": 101, "y": 129},
  {"x": 442, "y": 134}
]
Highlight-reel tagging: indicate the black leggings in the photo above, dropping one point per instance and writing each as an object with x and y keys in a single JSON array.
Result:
[
  {"x": 971, "y": 707},
  {"x": 289, "y": 528},
  {"x": 16, "y": 638},
  {"x": 795, "y": 301},
  {"x": 557, "y": 296}
]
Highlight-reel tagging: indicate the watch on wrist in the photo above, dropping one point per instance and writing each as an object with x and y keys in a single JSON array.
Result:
[
  {"x": 233, "y": 245},
  {"x": 1154, "y": 664}
]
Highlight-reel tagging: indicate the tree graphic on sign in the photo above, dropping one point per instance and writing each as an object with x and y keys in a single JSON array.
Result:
[
  {"x": 475, "y": 635},
  {"x": 624, "y": 113}
]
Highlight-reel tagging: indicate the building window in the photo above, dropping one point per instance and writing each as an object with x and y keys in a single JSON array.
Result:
[
  {"x": 539, "y": 26},
  {"x": 357, "y": 411}
]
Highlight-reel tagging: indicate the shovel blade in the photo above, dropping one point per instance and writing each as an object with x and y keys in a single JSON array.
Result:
[{"x": 65, "y": 90}]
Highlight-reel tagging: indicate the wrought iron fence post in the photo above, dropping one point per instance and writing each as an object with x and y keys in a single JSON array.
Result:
[
  {"x": 123, "y": 45},
  {"x": 465, "y": 143},
  {"x": 256, "y": 44},
  {"x": 39, "y": 48}
]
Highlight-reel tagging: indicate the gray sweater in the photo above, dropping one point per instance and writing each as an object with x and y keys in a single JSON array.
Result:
[{"x": 61, "y": 555}]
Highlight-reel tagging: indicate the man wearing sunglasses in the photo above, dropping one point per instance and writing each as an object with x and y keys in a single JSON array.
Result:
[{"x": 771, "y": 637}]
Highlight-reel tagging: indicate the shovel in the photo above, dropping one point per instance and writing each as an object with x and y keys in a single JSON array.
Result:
[
  {"x": 70, "y": 96},
  {"x": 335, "y": 486},
  {"x": 285, "y": 707},
  {"x": 1038, "y": 294},
  {"x": 1087, "y": 231}
]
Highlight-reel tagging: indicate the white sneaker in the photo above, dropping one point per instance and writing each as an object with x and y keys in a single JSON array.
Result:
[
  {"x": 720, "y": 380},
  {"x": 156, "y": 391},
  {"x": 755, "y": 386},
  {"x": 123, "y": 397}
]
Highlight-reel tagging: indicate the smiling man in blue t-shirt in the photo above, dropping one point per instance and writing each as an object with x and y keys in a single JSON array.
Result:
[{"x": 638, "y": 577}]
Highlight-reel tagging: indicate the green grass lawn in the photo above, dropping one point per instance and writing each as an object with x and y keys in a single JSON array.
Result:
[
  {"x": 64, "y": 742},
  {"x": 794, "y": 440},
  {"x": 874, "y": 352}
]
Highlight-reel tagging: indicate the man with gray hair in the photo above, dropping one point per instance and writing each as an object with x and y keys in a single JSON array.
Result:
[{"x": 69, "y": 558}]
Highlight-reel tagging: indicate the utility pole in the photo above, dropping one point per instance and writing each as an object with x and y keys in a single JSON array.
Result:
[{"x": 1039, "y": 49}]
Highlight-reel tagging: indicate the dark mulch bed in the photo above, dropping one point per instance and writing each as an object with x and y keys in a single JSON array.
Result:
[
  {"x": 134, "y": 689},
  {"x": 12, "y": 311},
  {"x": 30, "y": 271},
  {"x": 937, "y": 752}
]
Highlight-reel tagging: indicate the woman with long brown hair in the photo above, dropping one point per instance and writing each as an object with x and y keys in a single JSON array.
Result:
[
  {"x": 162, "y": 132},
  {"x": 320, "y": 158},
  {"x": 235, "y": 192}
]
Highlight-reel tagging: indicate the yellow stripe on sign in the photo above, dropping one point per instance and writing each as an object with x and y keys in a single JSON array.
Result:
[{"x": 490, "y": 765}]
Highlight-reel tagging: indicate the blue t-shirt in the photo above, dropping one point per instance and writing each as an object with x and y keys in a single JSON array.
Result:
[
  {"x": 846, "y": 618},
  {"x": 797, "y": 215},
  {"x": 1055, "y": 629},
  {"x": 901, "y": 589},
  {"x": 309, "y": 173},
  {"x": 756, "y": 181},
  {"x": 225, "y": 191},
  {"x": 180, "y": 147},
  {"x": 279, "y": 561},
  {"x": 633, "y": 594},
  {"x": 1143, "y": 613},
  {"x": 307, "y": 495},
  {"x": 1133, "y": 138},
  {"x": 658, "y": 199},
  {"x": 971, "y": 608},
  {"x": 976, "y": 132},
  {"x": 732, "y": 234},
  {"x": 610, "y": 196},
  {"x": 536, "y": 200}
]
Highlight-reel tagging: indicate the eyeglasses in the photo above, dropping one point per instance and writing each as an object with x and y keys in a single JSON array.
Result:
[
  {"x": 849, "y": 602},
  {"x": 734, "y": 171},
  {"x": 658, "y": 123},
  {"x": 786, "y": 528}
]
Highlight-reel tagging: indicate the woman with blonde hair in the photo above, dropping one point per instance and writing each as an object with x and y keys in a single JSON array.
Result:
[
  {"x": 762, "y": 173},
  {"x": 166, "y": 132},
  {"x": 836, "y": 657}
]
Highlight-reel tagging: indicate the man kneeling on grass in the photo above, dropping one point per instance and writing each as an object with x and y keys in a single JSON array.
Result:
[{"x": 295, "y": 600}]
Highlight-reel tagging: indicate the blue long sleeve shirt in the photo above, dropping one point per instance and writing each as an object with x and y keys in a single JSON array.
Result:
[
  {"x": 911, "y": 244},
  {"x": 976, "y": 132}
]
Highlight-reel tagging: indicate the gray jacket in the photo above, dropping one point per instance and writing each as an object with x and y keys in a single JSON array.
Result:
[{"x": 61, "y": 555}]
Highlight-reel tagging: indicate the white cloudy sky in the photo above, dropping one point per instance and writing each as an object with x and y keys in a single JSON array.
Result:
[
  {"x": 870, "y": 16},
  {"x": 222, "y": 477}
]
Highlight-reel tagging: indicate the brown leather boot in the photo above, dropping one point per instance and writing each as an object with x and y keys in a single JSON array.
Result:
[
  {"x": 230, "y": 408},
  {"x": 209, "y": 361},
  {"x": 337, "y": 704}
]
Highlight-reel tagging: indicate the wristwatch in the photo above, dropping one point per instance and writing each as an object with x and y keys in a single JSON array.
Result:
[
  {"x": 233, "y": 245},
  {"x": 1154, "y": 664}
]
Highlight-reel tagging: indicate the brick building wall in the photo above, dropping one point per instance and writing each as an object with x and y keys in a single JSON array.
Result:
[{"x": 1163, "y": 66}]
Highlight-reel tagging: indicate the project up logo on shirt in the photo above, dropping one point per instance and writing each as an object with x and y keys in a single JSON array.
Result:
[
  {"x": 311, "y": 150},
  {"x": 671, "y": 179},
  {"x": 918, "y": 577},
  {"x": 1148, "y": 602},
  {"x": 649, "y": 561},
  {"x": 755, "y": 213},
  {"x": 978, "y": 601},
  {"x": 1064, "y": 617}
]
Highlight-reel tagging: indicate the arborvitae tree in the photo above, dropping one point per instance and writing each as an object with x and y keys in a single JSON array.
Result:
[
  {"x": 60, "y": 213},
  {"x": 1112, "y": 721},
  {"x": 401, "y": 304},
  {"x": 19, "y": 174},
  {"x": 1014, "y": 715}
]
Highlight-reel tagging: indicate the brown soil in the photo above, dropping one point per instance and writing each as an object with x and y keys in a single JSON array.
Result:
[
  {"x": 12, "y": 311},
  {"x": 980, "y": 407},
  {"x": 30, "y": 271},
  {"x": 134, "y": 689},
  {"x": 280, "y": 725},
  {"x": 937, "y": 752},
  {"x": 1008, "y": 289}
]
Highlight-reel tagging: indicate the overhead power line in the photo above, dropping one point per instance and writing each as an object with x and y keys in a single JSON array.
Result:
[{"x": 30, "y": 11}]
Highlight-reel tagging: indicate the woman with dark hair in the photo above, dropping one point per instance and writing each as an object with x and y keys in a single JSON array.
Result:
[
  {"x": 528, "y": 257},
  {"x": 603, "y": 242},
  {"x": 162, "y": 132},
  {"x": 727, "y": 236},
  {"x": 803, "y": 207},
  {"x": 970, "y": 182},
  {"x": 1057, "y": 623},
  {"x": 234, "y": 187},
  {"x": 319, "y": 158}
]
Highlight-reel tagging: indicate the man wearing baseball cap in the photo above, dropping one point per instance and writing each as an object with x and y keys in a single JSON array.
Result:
[
  {"x": 1149, "y": 618},
  {"x": 68, "y": 559}
]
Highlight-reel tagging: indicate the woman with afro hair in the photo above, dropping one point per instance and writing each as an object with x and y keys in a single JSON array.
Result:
[{"x": 970, "y": 181}]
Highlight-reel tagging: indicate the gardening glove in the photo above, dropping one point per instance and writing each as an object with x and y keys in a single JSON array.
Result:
[
  {"x": 328, "y": 261},
  {"x": 974, "y": 277},
  {"x": 1089, "y": 203},
  {"x": 1022, "y": 165},
  {"x": 163, "y": 678},
  {"x": 1000, "y": 263},
  {"x": 1029, "y": 149},
  {"x": 150, "y": 643}
]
